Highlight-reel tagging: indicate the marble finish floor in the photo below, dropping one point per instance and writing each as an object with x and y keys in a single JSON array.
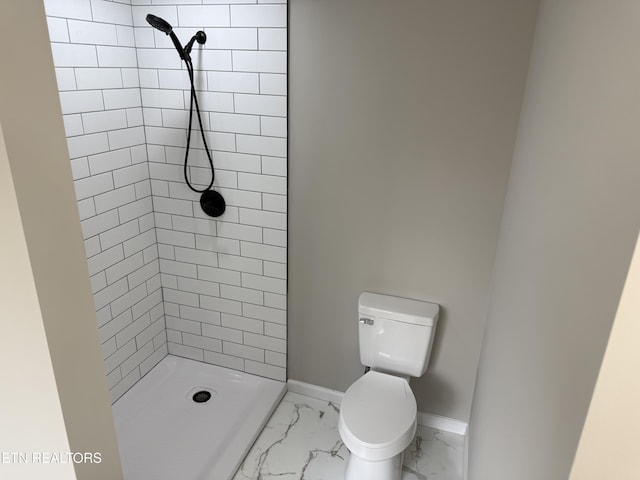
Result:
[{"x": 301, "y": 442}]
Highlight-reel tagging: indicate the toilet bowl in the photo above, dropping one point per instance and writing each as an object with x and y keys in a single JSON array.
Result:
[
  {"x": 378, "y": 415},
  {"x": 377, "y": 423}
]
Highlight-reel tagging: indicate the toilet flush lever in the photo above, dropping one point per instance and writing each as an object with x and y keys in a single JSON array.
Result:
[{"x": 366, "y": 321}]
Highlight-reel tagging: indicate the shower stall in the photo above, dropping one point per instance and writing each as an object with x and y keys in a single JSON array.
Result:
[{"x": 168, "y": 279}]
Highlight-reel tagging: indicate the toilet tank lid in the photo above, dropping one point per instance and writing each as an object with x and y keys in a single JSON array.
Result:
[{"x": 399, "y": 309}]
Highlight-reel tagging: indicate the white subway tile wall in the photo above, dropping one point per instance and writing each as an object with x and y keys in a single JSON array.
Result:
[{"x": 123, "y": 87}]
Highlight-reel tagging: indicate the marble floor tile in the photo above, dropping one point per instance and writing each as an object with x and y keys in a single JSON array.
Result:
[{"x": 301, "y": 442}]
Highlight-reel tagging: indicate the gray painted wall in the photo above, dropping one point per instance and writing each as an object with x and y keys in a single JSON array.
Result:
[
  {"x": 571, "y": 218},
  {"x": 402, "y": 124}
]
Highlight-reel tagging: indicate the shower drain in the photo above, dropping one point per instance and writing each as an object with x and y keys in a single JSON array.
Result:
[{"x": 202, "y": 396}]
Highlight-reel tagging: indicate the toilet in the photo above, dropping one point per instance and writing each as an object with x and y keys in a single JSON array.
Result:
[{"x": 378, "y": 415}]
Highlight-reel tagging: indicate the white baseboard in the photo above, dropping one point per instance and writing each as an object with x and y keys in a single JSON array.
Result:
[{"x": 425, "y": 419}]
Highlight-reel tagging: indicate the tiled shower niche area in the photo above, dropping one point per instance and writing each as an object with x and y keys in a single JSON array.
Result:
[{"x": 166, "y": 278}]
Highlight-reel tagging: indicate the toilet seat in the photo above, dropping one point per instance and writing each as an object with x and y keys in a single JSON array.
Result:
[{"x": 378, "y": 416}]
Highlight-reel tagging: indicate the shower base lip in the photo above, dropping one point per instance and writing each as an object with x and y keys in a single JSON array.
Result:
[{"x": 163, "y": 434}]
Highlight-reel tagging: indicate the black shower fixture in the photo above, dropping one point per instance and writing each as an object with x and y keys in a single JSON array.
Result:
[{"x": 212, "y": 202}]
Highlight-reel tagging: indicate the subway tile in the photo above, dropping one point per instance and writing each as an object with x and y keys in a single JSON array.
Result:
[
  {"x": 78, "y": 102},
  {"x": 109, "y": 294},
  {"x": 98, "y": 224},
  {"x": 217, "y": 244},
  {"x": 68, "y": 8},
  {"x": 186, "y": 351},
  {"x": 124, "y": 268},
  {"x": 111, "y": 328},
  {"x": 86, "y": 208},
  {"x": 264, "y": 283},
  {"x": 111, "y": 12},
  {"x": 198, "y": 286},
  {"x": 98, "y": 282},
  {"x": 169, "y": 281},
  {"x": 119, "y": 234},
  {"x": 180, "y": 239},
  {"x": 175, "y": 118},
  {"x": 114, "y": 198},
  {"x": 234, "y": 123},
  {"x": 139, "y": 154},
  {"x": 103, "y": 315},
  {"x": 58, "y": 31},
  {"x": 182, "y": 325},
  {"x": 239, "y": 232},
  {"x": 134, "y": 117},
  {"x": 194, "y": 225},
  {"x": 173, "y": 206},
  {"x": 222, "y": 360},
  {"x": 220, "y": 305},
  {"x": 169, "y": 13},
  {"x": 174, "y": 336},
  {"x": 148, "y": 77},
  {"x": 263, "y": 218},
  {"x": 73, "y": 125},
  {"x": 94, "y": 185},
  {"x": 259, "y": 61},
  {"x": 232, "y": 38},
  {"x": 200, "y": 315},
  {"x": 158, "y": 58},
  {"x": 144, "y": 306},
  {"x": 173, "y": 79},
  {"x": 97, "y": 78},
  {"x": 258, "y": 15},
  {"x": 153, "y": 359},
  {"x": 271, "y": 146},
  {"x": 129, "y": 175},
  {"x": 127, "y": 137},
  {"x": 264, "y": 370},
  {"x": 233, "y": 82},
  {"x": 92, "y": 33},
  {"x": 236, "y": 161},
  {"x": 143, "y": 274},
  {"x": 242, "y": 323},
  {"x": 144, "y": 37},
  {"x": 277, "y": 270},
  {"x": 243, "y": 351},
  {"x": 190, "y": 255},
  {"x": 135, "y": 209},
  {"x": 137, "y": 358},
  {"x": 163, "y": 220},
  {"x": 92, "y": 246},
  {"x": 126, "y": 37},
  {"x": 219, "y": 275},
  {"x": 273, "y": 83},
  {"x": 129, "y": 332},
  {"x": 127, "y": 300},
  {"x": 277, "y": 238},
  {"x": 274, "y": 166},
  {"x": 273, "y": 126},
  {"x": 241, "y": 198},
  {"x": 117, "y": 56},
  {"x": 162, "y": 98},
  {"x": 274, "y": 203},
  {"x": 210, "y": 344},
  {"x": 262, "y": 183},
  {"x": 139, "y": 242},
  {"x": 178, "y": 268},
  {"x": 267, "y": 314},
  {"x": 222, "y": 333},
  {"x": 125, "y": 384},
  {"x": 214, "y": 60},
  {"x": 175, "y": 137},
  {"x": 87, "y": 145},
  {"x": 150, "y": 253},
  {"x": 203, "y": 16},
  {"x": 265, "y": 342},
  {"x": 274, "y": 105},
  {"x": 275, "y": 330},
  {"x": 122, "y": 98},
  {"x": 113, "y": 378},
  {"x": 66, "y": 79},
  {"x": 275, "y": 301},
  {"x": 105, "y": 259},
  {"x": 103, "y": 121},
  {"x": 212, "y": 101},
  {"x": 272, "y": 39},
  {"x": 70, "y": 55},
  {"x": 240, "y": 264},
  {"x": 275, "y": 358},
  {"x": 79, "y": 168},
  {"x": 241, "y": 294}
]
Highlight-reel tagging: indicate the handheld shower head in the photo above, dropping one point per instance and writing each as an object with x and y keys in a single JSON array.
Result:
[{"x": 159, "y": 23}]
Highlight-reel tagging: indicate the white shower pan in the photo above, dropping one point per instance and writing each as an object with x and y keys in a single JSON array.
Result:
[{"x": 163, "y": 434}]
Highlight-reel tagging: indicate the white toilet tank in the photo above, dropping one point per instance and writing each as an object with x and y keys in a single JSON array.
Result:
[{"x": 396, "y": 333}]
